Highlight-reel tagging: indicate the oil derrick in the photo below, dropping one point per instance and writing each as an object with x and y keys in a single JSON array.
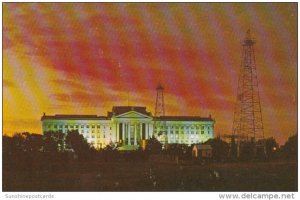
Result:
[
  {"x": 160, "y": 128},
  {"x": 248, "y": 125},
  {"x": 159, "y": 104}
]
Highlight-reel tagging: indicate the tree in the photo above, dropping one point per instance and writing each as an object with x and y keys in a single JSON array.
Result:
[
  {"x": 177, "y": 150},
  {"x": 53, "y": 141},
  {"x": 7, "y": 145},
  {"x": 22, "y": 150},
  {"x": 290, "y": 148},
  {"x": 77, "y": 142},
  {"x": 220, "y": 149},
  {"x": 33, "y": 142},
  {"x": 271, "y": 146},
  {"x": 233, "y": 148},
  {"x": 18, "y": 141},
  {"x": 153, "y": 145}
]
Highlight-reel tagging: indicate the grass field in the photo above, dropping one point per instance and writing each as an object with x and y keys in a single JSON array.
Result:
[{"x": 155, "y": 176}]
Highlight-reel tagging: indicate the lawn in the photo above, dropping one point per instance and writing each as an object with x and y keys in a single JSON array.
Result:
[{"x": 155, "y": 176}]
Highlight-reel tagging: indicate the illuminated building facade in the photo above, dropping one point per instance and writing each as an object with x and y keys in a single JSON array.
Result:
[{"x": 130, "y": 125}]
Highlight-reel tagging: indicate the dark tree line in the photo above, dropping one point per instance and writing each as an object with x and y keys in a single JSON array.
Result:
[
  {"x": 31, "y": 151},
  {"x": 36, "y": 151},
  {"x": 222, "y": 151}
]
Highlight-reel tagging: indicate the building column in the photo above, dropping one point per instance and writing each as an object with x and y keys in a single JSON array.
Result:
[
  {"x": 180, "y": 135},
  {"x": 169, "y": 138},
  {"x": 118, "y": 138},
  {"x": 141, "y": 131},
  {"x": 146, "y": 131},
  {"x": 175, "y": 139},
  {"x": 135, "y": 143},
  {"x": 189, "y": 134},
  {"x": 123, "y": 132},
  {"x": 185, "y": 134},
  {"x": 151, "y": 128},
  {"x": 129, "y": 143}
]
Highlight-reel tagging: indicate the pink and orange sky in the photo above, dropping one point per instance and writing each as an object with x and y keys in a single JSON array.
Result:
[{"x": 84, "y": 58}]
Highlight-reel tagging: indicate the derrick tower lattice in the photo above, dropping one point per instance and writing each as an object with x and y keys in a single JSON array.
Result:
[{"x": 248, "y": 123}]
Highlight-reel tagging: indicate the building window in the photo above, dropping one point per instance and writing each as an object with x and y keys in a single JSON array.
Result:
[
  {"x": 66, "y": 126},
  {"x": 82, "y": 131},
  {"x": 93, "y": 126},
  {"x": 98, "y": 126},
  {"x": 202, "y": 132},
  {"x": 82, "y": 126},
  {"x": 76, "y": 126},
  {"x": 87, "y": 126},
  {"x": 49, "y": 126},
  {"x": 55, "y": 126}
]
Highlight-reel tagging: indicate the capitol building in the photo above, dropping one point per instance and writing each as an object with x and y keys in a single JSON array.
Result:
[{"x": 130, "y": 126}]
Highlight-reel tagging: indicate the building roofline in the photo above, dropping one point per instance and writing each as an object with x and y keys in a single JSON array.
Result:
[
  {"x": 183, "y": 118},
  {"x": 118, "y": 110},
  {"x": 59, "y": 116}
]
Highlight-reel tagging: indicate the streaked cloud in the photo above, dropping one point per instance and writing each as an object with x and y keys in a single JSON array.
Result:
[{"x": 87, "y": 57}]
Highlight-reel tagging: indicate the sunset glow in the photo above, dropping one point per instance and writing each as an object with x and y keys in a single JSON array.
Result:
[{"x": 85, "y": 58}]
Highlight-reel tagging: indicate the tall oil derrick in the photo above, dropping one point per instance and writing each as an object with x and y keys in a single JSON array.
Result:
[
  {"x": 160, "y": 128},
  {"x": 248, "y": 124},
  {"x": 159, "y": 103}
]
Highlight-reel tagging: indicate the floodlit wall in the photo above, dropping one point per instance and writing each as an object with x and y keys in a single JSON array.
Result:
[{"x": 100, "y": 133}]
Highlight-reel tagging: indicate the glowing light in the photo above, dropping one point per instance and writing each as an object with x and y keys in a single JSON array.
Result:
[{"x": 83, "y": 58}]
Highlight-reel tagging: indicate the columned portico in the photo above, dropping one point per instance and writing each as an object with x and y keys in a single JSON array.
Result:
[{"x": 135, "y": 127}]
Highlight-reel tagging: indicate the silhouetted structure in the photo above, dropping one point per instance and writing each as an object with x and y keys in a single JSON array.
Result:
[
  {"x": 202, "y": 151},
  {"x": 159, "y": 105},
  {"x": 160, "y": 112},
  {"x": 248, "y": 124}
]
